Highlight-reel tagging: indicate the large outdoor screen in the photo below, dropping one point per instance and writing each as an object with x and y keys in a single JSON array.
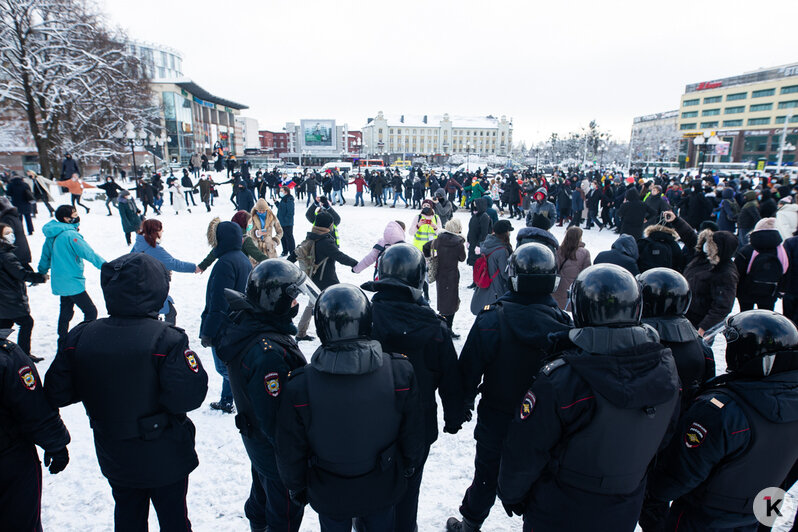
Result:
[{"x": 319, "y": 133}]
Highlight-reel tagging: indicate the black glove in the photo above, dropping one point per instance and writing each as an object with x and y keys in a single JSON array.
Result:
[
  {"x": 205, "y": 341},
  {"x": 56, "y": 460},
  {"x": 299, "y": 497},
  {"x": 409, "y": 472},
  {"x": 653, "y": 514},
  {"x": 448, "y": 429},
  {"x": 518, "y": 508}
]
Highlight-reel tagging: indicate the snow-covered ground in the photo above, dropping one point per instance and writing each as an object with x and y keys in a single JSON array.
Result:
[{"x": 80, "y": 499}]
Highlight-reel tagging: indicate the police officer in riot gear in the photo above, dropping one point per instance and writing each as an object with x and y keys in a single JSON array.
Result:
[
  {"x": 582, "y": 437},
  {"x": 259, "y": 350},
  {"x": 137, "y": 377},
  {"x": 666, "y": 297},
  {"x": 405, "y": 323},
  {"x": 26, "y": 420},
  {"x": 350, "y": 423},
  {"x": 503, "y": 353},
  {"x": 738, "y": 437}
]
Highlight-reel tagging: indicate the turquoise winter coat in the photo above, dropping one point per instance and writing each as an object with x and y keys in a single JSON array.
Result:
[{"x": 64, "y": 252}]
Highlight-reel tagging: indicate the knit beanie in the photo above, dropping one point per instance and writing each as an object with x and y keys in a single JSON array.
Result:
[
  {"x": 454, "y": 226},
  {"x": 323, "y": 219},
  {"x": 765, "y": 224}
]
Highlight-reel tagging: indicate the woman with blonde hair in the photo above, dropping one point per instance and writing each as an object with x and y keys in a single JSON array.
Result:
[
  {"x": 265, "y": 229},
  {"x": 572, "y": 258}
]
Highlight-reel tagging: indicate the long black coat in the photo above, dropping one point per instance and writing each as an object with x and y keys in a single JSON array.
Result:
[
  {"x": 633, "y": 214},
  {"x": 450, "y": 250},
  {"x": 13, "y": 276},
  {"x": 325, "y": 275},
  {"x": 712, "y": 279},
  {"x": 478, "y": 228},
  {"x": 10, "y": 217},
  {"x": 20, "y": 194}
]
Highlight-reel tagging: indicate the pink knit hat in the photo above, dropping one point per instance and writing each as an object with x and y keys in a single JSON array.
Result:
[{"x": 764, "y": 224}]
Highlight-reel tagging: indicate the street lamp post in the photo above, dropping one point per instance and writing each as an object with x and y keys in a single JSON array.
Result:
[
  {"x": 783, "y": 139},
  {"x": 702, "y": 143},
  {"x": 132, "y": 138}
]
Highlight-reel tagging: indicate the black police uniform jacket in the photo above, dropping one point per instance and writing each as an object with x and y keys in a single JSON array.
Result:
[
  {"x": 403, "y": 322},
  {"x": 26, "y": 418},
  {"x": 502, "y": 354},
  {"x": 695, "y": 361},
  {"x": 350, "y": 429},
  {"x": 259, "y": 352},
  {"x": 136, "y": 377},
  {"x": 737, "y": 438},
  {"x": 578, "y": 448}
]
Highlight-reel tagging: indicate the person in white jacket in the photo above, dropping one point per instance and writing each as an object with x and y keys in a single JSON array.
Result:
[{"x": 787, "y": 218}]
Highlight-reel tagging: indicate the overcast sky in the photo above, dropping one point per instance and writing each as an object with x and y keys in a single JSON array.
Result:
[{"x": 552, "y": 66}]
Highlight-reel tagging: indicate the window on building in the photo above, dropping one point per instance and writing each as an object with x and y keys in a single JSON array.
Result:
[
  {"x": 791, "y": 89},
  {"x": 689, "y": 103},
  {"x": 687, "y": 126},
  {"x": 689, "y": 114},
  {"x": 761, "y": 107},
  {"x": 710, "y": 112},
  {"x": 788, "y": 105},
  {"x": 706, "y": 125},
  {"x": 399, "y": 131},
  {"x": 735, "y": 110},
  {"x": 390, "y": 131},
  {"x": 781, "y": 119},
  {"x": 763, "y": 93},
  {"x": 414, "y": 132},
  {"x": 732, "y": 123},
  {"x": 713, "y": 99},
  {"x": 758, "y": 121},
  {"x": 756, "y": 143},
  {"x": 494, "y": 133},
  {"x": 736, "y": 96}
]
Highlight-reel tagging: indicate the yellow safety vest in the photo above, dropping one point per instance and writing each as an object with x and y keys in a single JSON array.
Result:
[{"x": 425, "y": 233}]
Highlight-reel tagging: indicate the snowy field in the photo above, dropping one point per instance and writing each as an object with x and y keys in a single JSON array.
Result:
[{"x": 79, "y": 499}]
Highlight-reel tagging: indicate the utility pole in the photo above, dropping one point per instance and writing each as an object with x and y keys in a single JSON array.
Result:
[{"x": 783, "y": 139}]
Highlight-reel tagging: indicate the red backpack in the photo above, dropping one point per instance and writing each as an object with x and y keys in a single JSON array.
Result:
[{"x": 482, "y": 277}]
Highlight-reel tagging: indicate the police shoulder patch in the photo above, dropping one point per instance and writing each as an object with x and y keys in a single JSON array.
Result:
[
  {"x": 27, "y": 377},
  {"x": 191, "y": 360},
  {"x": 528, "y": 404},
  {"x": 694, "y": 435},
  {"x": 551, "y": 366},
  {"x": 272, "y": 384}
]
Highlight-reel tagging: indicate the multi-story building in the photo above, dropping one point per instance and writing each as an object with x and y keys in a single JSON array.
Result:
[
  {"x": 432, "y": 135},
  {"x": 273, "y": 143},
  {"x": 655, "y": 137},
  {"x": 250, "y": 136},
  {"x": 317, "y": 141},
  {"x": 748, "y": 111},
  {"x": 160, "y": 62}
]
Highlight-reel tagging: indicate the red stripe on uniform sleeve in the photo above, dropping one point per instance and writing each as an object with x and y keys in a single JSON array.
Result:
[{"x": 577, "y": 401}]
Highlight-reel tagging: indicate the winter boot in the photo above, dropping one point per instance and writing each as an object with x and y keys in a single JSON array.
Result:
[
  {"x": 306, "y": 338},
  {"x": 455, "y": 525},
  {"x": 35, "y": 359},
  {"x": 225, "y": 407}
]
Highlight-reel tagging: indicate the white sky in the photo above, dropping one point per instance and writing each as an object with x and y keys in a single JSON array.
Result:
[{"x": 550, "y": 66}]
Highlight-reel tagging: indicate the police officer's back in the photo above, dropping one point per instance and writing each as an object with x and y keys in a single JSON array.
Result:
[
  {"x": 26, "y": 419},
  {"x": 577, "y": 451},
  {"x": 739, "y": 435},
  {"x": 666, "y": 298},
  {"x": 137, "y": 378},
  {"x": 503, "y": 353},
  {"x": 258, "y": 347},
  {"x": 405, "y": 323},
  {"x": 350, "y": 428}
]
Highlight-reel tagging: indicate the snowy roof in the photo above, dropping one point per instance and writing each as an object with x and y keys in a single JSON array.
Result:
[
  {"x": 435, "y": 121},
  {"x": 189, "y": 86}
]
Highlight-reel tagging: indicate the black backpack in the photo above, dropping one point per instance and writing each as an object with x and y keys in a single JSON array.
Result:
[
  {"x": 654, "y": 254},
  {"x": 764, "y": 277}
]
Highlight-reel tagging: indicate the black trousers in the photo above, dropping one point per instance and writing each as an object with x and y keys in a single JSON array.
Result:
[
  {"x": 288, "y": 239},
  {"x": 84, "y": 303},
  {"x": 25, "y": 330},
  {"x": 269, "y": 506},
  {"x": 76, "y": 199},
  {"x": 764, "y": 304},
  {"x": 133, "y": 507},
  {"x": 20, "y": 489},
  {"x": 407, "y": 507},
  {"x": 189, "y": 194},
  {"x": 28, "y": 222}
]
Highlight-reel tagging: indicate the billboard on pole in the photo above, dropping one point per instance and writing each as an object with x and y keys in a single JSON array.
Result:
[{"x": 318, "y": 133}]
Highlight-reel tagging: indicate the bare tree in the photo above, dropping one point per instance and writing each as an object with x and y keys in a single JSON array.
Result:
[{"x": 70, "y": 77}]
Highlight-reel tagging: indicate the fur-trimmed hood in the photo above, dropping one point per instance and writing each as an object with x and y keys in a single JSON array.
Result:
[
  {"x": 661, "y": 229},
  {"x": 212, "y": 231},
  {"x": 721, "y": 245}
]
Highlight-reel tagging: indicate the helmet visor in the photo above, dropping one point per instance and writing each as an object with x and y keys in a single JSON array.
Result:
[{"x": 306, "y": 287}]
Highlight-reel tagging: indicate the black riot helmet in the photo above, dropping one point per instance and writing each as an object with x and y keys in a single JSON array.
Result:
[
  {"x": 532, "y": 269},
  {"x": 274, "y": 284},
  {"x": 760, "y": 342},
  {"x": 405, "y": 263},
  {"x": 342, "y": 312},
  {"x": 606, "y": 295},
  {"x": 665, "y": 293}
]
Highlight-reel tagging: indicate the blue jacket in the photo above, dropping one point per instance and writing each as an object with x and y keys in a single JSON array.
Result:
[
  {"x": 285, "y": 211},
  {"x": 64, "y": 252},
  {"x": 577, "y": 202},
  {"x": 163, "y": 256},
  {"x": 230, "y": 271}
]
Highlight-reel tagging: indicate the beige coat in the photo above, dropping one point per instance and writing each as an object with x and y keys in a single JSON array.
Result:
[{"x": 268, "y": 237}]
